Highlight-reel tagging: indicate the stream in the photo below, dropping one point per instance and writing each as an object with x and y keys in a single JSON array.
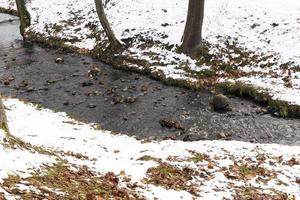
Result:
[{"x": 126, "y": 102}]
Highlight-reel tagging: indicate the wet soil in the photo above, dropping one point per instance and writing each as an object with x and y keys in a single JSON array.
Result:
[{"x": 127, "y": 102}]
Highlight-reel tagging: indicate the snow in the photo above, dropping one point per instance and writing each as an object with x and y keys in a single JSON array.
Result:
[
  {"x": 262, "y": 13},
  {"x": 8, "y": 4},
  {"x": 17, "y": 161},
  {"x": 267, "y": 28},
  {"x": 109, "y": 152}
]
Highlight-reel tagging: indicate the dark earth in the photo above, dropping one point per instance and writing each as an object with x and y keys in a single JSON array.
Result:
[{"x": 127, "y": 102}]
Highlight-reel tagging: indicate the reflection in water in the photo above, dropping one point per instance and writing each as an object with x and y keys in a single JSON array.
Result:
[
  {"x": 9, "y": 34},
  {"x": 12, "y": 48}
]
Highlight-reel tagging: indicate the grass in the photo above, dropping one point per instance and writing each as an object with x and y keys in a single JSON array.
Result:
[
  {"x": 8, "y": 11},
  {"x": 61, "y": 181},
  {"x": 283, "y": 108},
  {"x": 148, "y": 158},
  {"x": 11, "y": 180},
  {"x": 252, "y": 193},
  {"x": 197, "y": 157},
  {"x": 171, "y": 177},
  {"x": 247, "y": 172},
  {"x": 244, "y": 171}
]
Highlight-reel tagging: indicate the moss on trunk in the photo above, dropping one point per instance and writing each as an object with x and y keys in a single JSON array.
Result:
[
  {"x": 24, "y": 16},
  {"x": 3, "y": 120}
]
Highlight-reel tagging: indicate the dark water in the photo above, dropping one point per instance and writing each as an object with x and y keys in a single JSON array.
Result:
[{"x": 38, "y": 79}]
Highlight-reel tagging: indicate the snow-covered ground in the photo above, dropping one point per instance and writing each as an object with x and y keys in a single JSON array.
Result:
[
  {"x": 268, "y": 31},
  {"x": 266, "y": 34},
  {"x": 219, "y": 169}
]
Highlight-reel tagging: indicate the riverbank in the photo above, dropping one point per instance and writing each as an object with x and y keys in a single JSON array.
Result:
[
  {"x": 61, "y": 158},
  {"x": 264, "y": 69}
]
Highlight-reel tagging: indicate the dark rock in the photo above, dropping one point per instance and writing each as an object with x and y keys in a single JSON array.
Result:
[
  {"x": 44, "y": 88},
  {"x": 86, "y": 83},
  {"x": 170, "y": 123},
  {"x": 221, "y": 103},
  {"x": 193, "y": 137},
  {"x": 90, "y": 105},
  {"x": 75, "y": 74},
  {"x": 117, "y": 99},
  {"x": 11, "y": 78},
  {"x": 288, "y": 81},
  {"x": 144, "y": 88},
  {"x": 261, "y": 111},
  {"x": 158, "y": 88},
  {"x": 222, "y": 135},
  {"x": 253, "y": 26},
  {"x": 171, "y": 137},
  {"x": 130, "y": 100},
  {"x": 6, "y": 82},
  {"x": 50, "y": 81},
  {"x": 29, "y": 89},
  {"x": 165, "y": 25},
  {"x": 94, "y": 72},
  {"x": 96, "y": 93},
  {"x": 59, "y": 60},
  {"x": 88, "y": 94},
  {"x": 23, "y": 84},
  {"x": 274, "y": 24}
]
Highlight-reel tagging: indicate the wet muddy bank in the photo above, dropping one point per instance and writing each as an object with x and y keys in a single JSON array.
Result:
[{"x": 127, "y": 102}]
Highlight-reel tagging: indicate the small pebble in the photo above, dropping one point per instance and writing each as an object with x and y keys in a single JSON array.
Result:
[
  {"x": 92, "y": 105},
  {"x": 222, "y": 135},
  {"x": 30, "y": 89},
  {"x": 59, "y": 60}
]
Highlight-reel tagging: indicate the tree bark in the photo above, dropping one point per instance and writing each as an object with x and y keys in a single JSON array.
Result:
[
  {"x": 106, "y": 26},
  {"x": 3, "y": 120},
  {"x": 192, "y": 36},
  {"x": 24, "y": 16}
]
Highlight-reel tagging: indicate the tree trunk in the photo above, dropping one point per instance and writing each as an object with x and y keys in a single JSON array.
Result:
[
  {"x": 3, "y": 120},
  {"x": 24, "y": 16},
  {"x": 106, "y": 26},
  {"x": 192, "y": 36}
]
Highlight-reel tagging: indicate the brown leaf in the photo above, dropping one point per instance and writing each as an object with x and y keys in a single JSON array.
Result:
[
  {"x": 2, "y": 197},
  {"x": 293, "y": 162}
]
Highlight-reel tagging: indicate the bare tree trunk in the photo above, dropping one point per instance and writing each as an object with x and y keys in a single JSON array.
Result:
[
  {"x": 24, "y": 16},
  {"x": 192, "y": 37},
  {"x": 105, "y": 24},
  {"x": 3, "y": 120}
]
